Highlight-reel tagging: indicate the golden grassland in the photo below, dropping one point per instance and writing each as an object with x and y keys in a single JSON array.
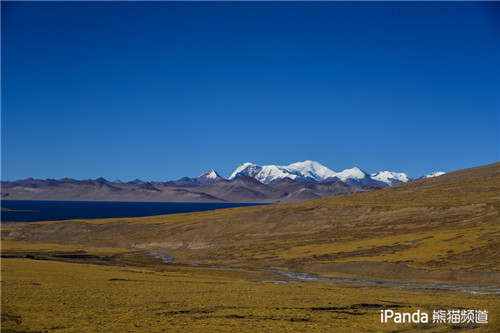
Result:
[
  {"x": 43, "y": 295},
  {"x": 92, "y": 275},
  {"x": 9, "y": 246},
  {"x": 441, "y": 249}
]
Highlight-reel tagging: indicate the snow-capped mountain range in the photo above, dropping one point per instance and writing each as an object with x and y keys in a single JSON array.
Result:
[
  {"x": 314, "y": 171},
  {"x": 268, "y": 174},
  {"x": 298, "y": 172}
]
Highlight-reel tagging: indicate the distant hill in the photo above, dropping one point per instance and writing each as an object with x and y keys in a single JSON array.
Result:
[{"x": 209, "y": 187}]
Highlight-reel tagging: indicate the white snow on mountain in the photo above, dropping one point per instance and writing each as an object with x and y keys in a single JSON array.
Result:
[
  {"x": 267, "y": 174},
  {"x": 354, "y": 176},
  {"x": 354, "y": 173},
  {"x": 390, "y": 177},
  {"x": 272, "y": 173},
  {"x": 434, "y": 174},
  {"x": 312, "y": 169},
  {"x": 209, "y": 177},
  {"x": 249, "y": 169}
]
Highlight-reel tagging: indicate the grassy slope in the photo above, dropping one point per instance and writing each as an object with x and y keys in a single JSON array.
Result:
[{"x": 444, "y": 224}]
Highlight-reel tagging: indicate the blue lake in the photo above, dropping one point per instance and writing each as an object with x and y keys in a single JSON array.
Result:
[{"x": 33, "y": 211}]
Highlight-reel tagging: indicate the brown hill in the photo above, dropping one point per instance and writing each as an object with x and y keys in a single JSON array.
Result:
[
  {"x": 443, "y": 228},
  {"x": 244, "y": 189}
]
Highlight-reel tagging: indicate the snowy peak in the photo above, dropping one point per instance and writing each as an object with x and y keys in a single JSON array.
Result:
[
  {"x": 312, "y": 170},
  {"x": 270, "y": 174},
  {"x": 264, "y": 174},
  {"x": 354, "y": 173},
  {"x": 354, "y": 176},
  {"x": 246, "y": 169},
  {"x": 209, "y": 177},
  {"x": 390, "y": 177},
  {"x": 212, "y": 174},
  {"x": 432, "y": 175}
]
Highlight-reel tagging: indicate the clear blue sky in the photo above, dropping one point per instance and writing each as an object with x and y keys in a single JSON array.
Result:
[{"x": 162, "y": 90}]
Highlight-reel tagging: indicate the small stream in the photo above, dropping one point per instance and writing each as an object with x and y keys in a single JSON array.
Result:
[
  {"x": 296, "y": 277},
  {"x": 162, "y": 256},
  {"x": 482, "y": 290}
]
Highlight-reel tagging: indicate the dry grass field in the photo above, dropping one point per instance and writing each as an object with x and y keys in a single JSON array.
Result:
[
  {"x": 94, "y": 275},
  {"x": 136, "y": 293}
]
